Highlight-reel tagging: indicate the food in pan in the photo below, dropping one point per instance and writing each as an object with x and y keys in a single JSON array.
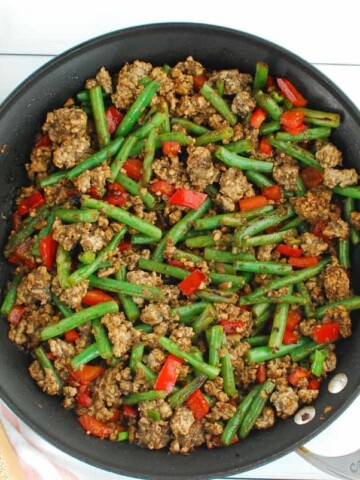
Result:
[{"x": 181, "y": 255}]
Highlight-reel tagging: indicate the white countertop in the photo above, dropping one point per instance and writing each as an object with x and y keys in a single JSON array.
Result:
[{"x": 322, "y": 32}]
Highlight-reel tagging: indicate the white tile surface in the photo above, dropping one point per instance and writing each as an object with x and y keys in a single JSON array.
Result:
[{"x": 322, "y": 32}]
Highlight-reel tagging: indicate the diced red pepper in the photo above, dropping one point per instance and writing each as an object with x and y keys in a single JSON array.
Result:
[
  {"x": 216, "y": 441},
  {"x": 289, "y": 251},
  {"x": 289, "y": 337},
  {"x": 133, "y": 168},
  {"x": 297, "y": 374},
  {"x": 318, "y": 230},
  {"x": 72, "y": 193},
  {"x": 327, "y": 332},
  {"x": 168, "y": 374},
  {"x": 292, "y": 121},
  {"x": 171, "y": 148},
  {"x": 94, "y": 193},
  {"x": 44, "y": 141},
  {"x": 15, "y": 314},
  {"x": 293, "y": 319},
  {"x": 192, "y": 282},
  {"x": 95, "y": 296},
  {"x": 163, "y": 187},
  {"x": 311, "y": 177},
  {"x": 124, "y": 245},
  {"x": 34, "y": 201},
  {"x": 115, "y": 194},
  {"x": 231, "y": 326},
  {"x": 20, "y": 255},
  {"x": 291, "y": 93},
  {"x": 303, "y": 262},
  {"x": 257, "y": 118},
  {"x": 252, "y": 202},
  {"x": 130, "y": 411},
  {"x": 198, "y": 404},
  {"x": 261, "y": 374},
  {"x": 199, "y": 81},
  {"x": 314, "y": 384},
  {"x": 50, "y": 356},
  {"x": 177, "y": 263},
  {"x": 270, "y": 82},
  {"x": 116, "y": 416},
  {"x": 265, "y": 146},
  {"x": 87, "y": 373},
  {"x": 272, "y": 192},
  {"x": 83, "y": 396},
  {"x": 113, "y": 117},
  {"x": 95, "y": 427},
  {"x": 71, "y": 336},
  {"x": 16, "y": 220},
  {"x": 187, "y": 198},
  {"x": 47, "y": 248}
]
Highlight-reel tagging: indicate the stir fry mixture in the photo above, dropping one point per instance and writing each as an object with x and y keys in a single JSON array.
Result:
[{"x": 181, "y": 256}]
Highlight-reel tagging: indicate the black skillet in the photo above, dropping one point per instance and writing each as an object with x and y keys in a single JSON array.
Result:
[{"x": 20, "y": 119}]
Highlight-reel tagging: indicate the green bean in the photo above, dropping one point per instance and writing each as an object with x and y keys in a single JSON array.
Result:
[
  {"x": 46, "y": 364},
  {"x": 124, "y": 216},
  {"x": 77, "y": 319},
  {"x": 304, "y": 156},
  {"x": 220, "y": 267},
  {"x": 102, "y": 340},
  {"x": 261, "y": 75},
  {"x": 43, "y": 233},
  {"x": 85, "y": 356},
  {"x": 269, "y": 127},
  {"x": 352, "y": 192},
  {"x": 191, "y": 127},
  {"x": 135, "y": 398},
  {"x": 141, "y": 239},
  {"x": 177, "y": 232},
  {"x": 136, "y": 109},
  {"x": 173, "y": 137},
  {"x": 291, "y": 224},
  {"x": 279, "y": 324},
  {"x": 269, "y": 238},
  {"x": 85, "y": 271},
  {"x": 218, "y": 103},
  {"x": 27, "y": 228},
  {"x": 306, "y": 135},
  {"x": 144, "y": 327},
  {"x": 87, "y": 257},
  {"x": 204, "y": 320},
  {"x": 61, "y": 306},
  {"x": 262, "y": 320},
  {"x": 149, "y": 156},
  {"x": 286, "y": 299},
  {"x": 149, "y": 375},
  {"x": 77, "y": 216},
  {"x": 256, "y": 408},
  {"x": 235, "y": 421},
  {"x": 53, "y": 178},
  {"x": 215, "y": 136},
  {"x": 258, "y": 309},
  {"x": 271, "y": 268},
  {"x": 131, "y": 310},
  {"x": 122, "y": 155},
  {"x": 220, "y": 88},
  {"x": 179, "y": 397},
  {"x": 257, "y": 341},
  {"x": 319, "y": 118},
  {"x": 211, "y": 223},
  {"x": 144, "y": 81},
  {"x": 122, "y": 436},
  {"x": 317, "y": 362},
  {"x": 154, "y": 415},
  {"x": 215, "y": 342},
  {"x": 134, "y": 188},
  {"x": 217, "y": 296},
  {"x": 349, "y": 207},
  {"x": 63, "y": 265},
  {"x": 344, "y": 252},
  {"x": 188, "y": 311},
  {"x": 202, "y": 241},
  {"x": 10, "y": 297},
  {"x": 265, "y": 353},
  {"x": 305, "y": 349},
  {"x": 277, "y": 96},
  {"x": 304, "y": 292},
  {"x": 136, "y": 356},
  {"x": 84, "y": 97},
  {"x": 268, "y": 104},
  {"x": 163, "y": 268},
  {"x": 227, "y": 371},
  {"x": 226, "y": 257},
  {"x": 126, "y": 288},
  {"x": 240, "y": 146},
  {"x": 155, "y": 121},
  {"x": 352, "y": 303},
  {"x": 166, "y": 68},
  {"x": 221, "y": 278},
  {"x": 300, "y": 187},
  {"x": 182, "y": 255},
  {"x": 209, "y": 370},
  {"x": 258, "y": 179},
  {"x": 98, "y": 111},
  {"x": 243, "y": 163}
]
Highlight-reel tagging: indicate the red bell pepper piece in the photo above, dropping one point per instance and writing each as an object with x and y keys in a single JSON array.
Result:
[
  {"x": 265, "y": 146},
  {"x": 113, "y": 117},
  {"x": 252, "y": 202},
  {"x": 198, "y": 404},
  {"x": 83, "y": 397},
  {"x": 187, "y": 198},
  {"x": 15, "y": 314},
  {"x": 44, "y": 141},
  {"x": 116, "y": 416},
  {"x": 16, "y": 220},
  {"x": 231, "y": 326},
  {"x": 50, "y": 356},
  {"x": 130, "y": 411},
  {"x": 71, "y": 336},
  {"x": 124, "y": 245},
  {"x": 192, "y": 282},
  {"x": 34, "y": 201},
  {"x": 47, "y": 248},
  {"x": 297, "y": 374},
  {"x": 95, "y": 427},
  {"x": 291, "y": 93},
  {"x": 216, "y": 441},
  {"x": 171, "y": 148},
  {"x": 311, "y": 177},
  {"x": 87, "y": 373},
  {"x": 318, "y": 229},
  {"x": 272, "y": 192},
  {"x": 115, "y": 194},
  {"x": 261, "y": 374},
  {"x": 95, "y": 296},
  {"x": 289, "y": 251},
  {"x": 176, "y": 263},
  {"x": 168, "y": 374},
  {"x": 303, "y": 262},
  {"x": 270, "y": 82},
  {"x": 94, "y": 193},
  {"x": 20, "y": 255},
  {"x": 292, "y": 121},
  {"x": 163, "y": 187},
  {"x": 257, "y": 118},
  {"x": 133, "y": 168},
  {"x": 314, "y": 384},
  {"x": 327, "y": 332},
  {"x": 293, "y": 319},
  {"x": 289, "y": 337},
  {"x": 199, "y": 81}
]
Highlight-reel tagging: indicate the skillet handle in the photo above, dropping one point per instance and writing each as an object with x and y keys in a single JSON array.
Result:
[
  {"x": 9, "y": 464},
  {"x": 346, "y": 466}
]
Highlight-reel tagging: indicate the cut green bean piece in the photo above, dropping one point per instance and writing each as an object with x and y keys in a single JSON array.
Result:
[
  {"x": 352, "y": 192},
  {"x": 257, "y": 341},
  {"x": 102, "y": 340},
  {"x": 215, "y": 342},
  {"x": 43, "y": 233},
  {"x": 279, "y": 324},
  {"x": 240, "y": 146},
  {"x": 136, "y": 356},
  {"x": 141, "y": 239},
  {"x": 179, "y": 397},
  {"x": 218, "y": 103},
  {"x": 132, "y": 311},
  {"x": 308, "y": 306},
  {"x": 149, "y": 375},
  {"x": 220, "y": 88},
  {"x": 134, "y": 188},
  {"x": 286, "y": 299},
  {"x": 62, "y": 307},
  {"x": 205, "y": 241},
  {"x": 217, "y": 296},
  {"x": 10, "y": 297},
  {"x": 258, "y": 179},
  {"x": 349, "y": 207},
  {"x": 191, "y": 127},
  {"x": 122, "y": 156},
  {"x": 317, "y": 362},
  {"x": 77, "y": 216},
  {"x": 316, "y": 117},
  {"x": 269, "y": 127},
  {"x": 292, "y": 224},
  {"x": 269, "y": 105},
  {"x": 269, "y": 238},
  {"x": 211, "y": 223},
  {"x": 352, "y": 303},
  {"x": 306, "y": 135},
  {"x": 87, "y": 257},
  {"x": 265, "y": 353},
  {"x": 262, "y": 267},
  {"x": 227, "y": 371},
  {"x": 205, "y": 319},
  {"x": 155, "y": 121},
  {"x": 63, "y": 265},
  {"x": 126, "y": 288},
  {"x": 215, "y": 136},
  {"x": 226, "y": 257},
  {"x": 53, "y": 178},
  {"x": 150, "y": 145},
  {"x": 46, "y": 364},
  {"x": 98, "y": 111},
  {"x": 135, "y": 398},
  {"x": 182, "y": 255},
  {"x": 144, "y": 327},
  {"x": 191, "y": 310},
  {"x": 243, "y": 163},
  {"x": 344, "y": 252},
  {"x": 305, "y": 349},
  {"x": 261, "y": 75},
  {"x": 304, "y": 156},
  {"x": 85, "y": 356},
  {"x": 122, "y": 436}
]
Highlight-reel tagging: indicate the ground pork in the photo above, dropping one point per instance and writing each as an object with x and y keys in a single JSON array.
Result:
[
  {"x": 171, "y": 170},
  {"x": 65, "y": 123},
  {"x": 71, "y": 151},
  {"x": 182, "y": 335},
  {"x": 315, "y": 287},
  {"x": 340, "y": 315},
  {"x": 97, "y": 237},
  {"x": 243, "y": 103},
  {"x": 342, "y": 178},
  {"x": 306, "y": 395},
  {"x": 121, "y": 332},
  {"x": 221, "y": 411},
  {"x": 214, "y": 388},
  {"x": 69, "y": 394},
  {"x": 63, "y": 352},
  {"x": 314, "y": 205},
  {"x": 155, "y": 359},
  {"x": 102, "y": 79},
  {"x": 40, "y": 161},
  {"x": 233, "y": 186},
  {"x": 200, "y": 168},
  {"x": 195, "y": 107},
  {"x": 94, "y": 178},
  {"x": 336, "y": 227},
  {"x": 234, "y": 81},
  {"x": 71, "y": 296},
  {"x": 128, "y": 88},
  {"x": 57, "y": 194},
  {"x": 265, "y": 252},
  {"x": 69, "y": 235},
  {"x": 285, "y": 401},
  {"x": 336, "y": 283},
  {"x": 312, "y": 245},
  {"x": 330, "y": 363},
  {"x": 188, "y": 433},
  {"x": 44, "y": 377},
  {"x": 328, "y": 155},
  {"x": 278, "y": 369},
  {"x": 227, "y": 311},
  {"x": 266, "y": 419},
  {"x": 155, "y": 313},
  {"x": 355, "y": 220},
  {"x": 286, "y": 171},
  {"x": 34, "y": 288},
  {"x": 26, "y": 333},
  {"x": 152, "y": 434},
  {"x": 106, "y": 395}
]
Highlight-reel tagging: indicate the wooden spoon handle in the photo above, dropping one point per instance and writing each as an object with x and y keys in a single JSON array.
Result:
[{"x": 10, "y": 468}]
